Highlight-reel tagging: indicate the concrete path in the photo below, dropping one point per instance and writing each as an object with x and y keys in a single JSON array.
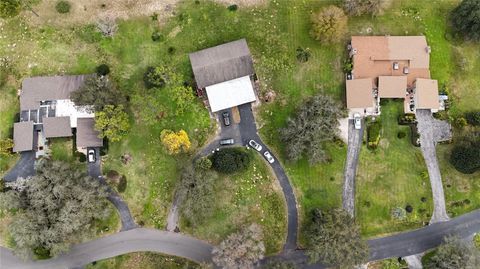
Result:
[
  {"x": 414, "y": 261},
  {"x": 355, "y": 138},
  {"x": 25, "y": 167},
  {"x": 428, "y": 139},
  {"x": 117, "y": 244},
  {"x": 174, "y": 215}
]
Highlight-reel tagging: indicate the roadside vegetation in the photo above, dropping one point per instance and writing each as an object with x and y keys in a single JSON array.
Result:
[{"x": 144, "y": 260}]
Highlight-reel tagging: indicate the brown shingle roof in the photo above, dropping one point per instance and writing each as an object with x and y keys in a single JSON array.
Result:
[
  {"x": 426, "y": 94},
  {"x": 360, "y": 93},
  {"x": 23, "y": 136},
  {"x": 87, "y": 136},
  {"x": 392, "y": 86},
  {"x": 222, "y": 63},
  {"x": 57, "y": 127},
  {"x": 38, "y": 89}
]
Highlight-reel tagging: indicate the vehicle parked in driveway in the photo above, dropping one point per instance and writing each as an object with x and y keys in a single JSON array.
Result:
[
  {"x": 357, "y": 119},
  {"x": 268, "y": 156},
  {"x": 228, "y": 141},
  {"x": 255, "y": 145},
  {"x": 226, "y": 118},
  {"x": 91, "y": 156}
]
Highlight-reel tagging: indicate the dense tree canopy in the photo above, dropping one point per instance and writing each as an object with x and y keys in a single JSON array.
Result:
[
  {"x": 466, "y": 19},
  {"x": 465, "y": 156},
  {"x": 112, "y": 122},
  {"x": 329, "y": 24},
  {"x": 230, "y": 160},
  {"x": 360, "y": 7},
  {"x": 97, "y": 92},
  {"x": 315, "y": 122},
  {"x": 10, "y": 8},
  {"x": 454, "y": 253},
  {"x": 240, "y": 250},
  {"x": 334, "y": 238},
  {"x": 54, "y": 208}
]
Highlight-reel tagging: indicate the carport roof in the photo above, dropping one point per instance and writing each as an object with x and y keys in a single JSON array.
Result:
[
  {"x": 87, "y": 136},
  {"x": 230, "y": 93},
  {"x": 23, "y": 136},
  {"x": 57, "y": 127},
  {"x": 360, "y": 93}
]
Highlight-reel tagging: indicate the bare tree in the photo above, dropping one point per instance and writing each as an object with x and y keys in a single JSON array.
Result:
[{"x": 360, "y": 7}]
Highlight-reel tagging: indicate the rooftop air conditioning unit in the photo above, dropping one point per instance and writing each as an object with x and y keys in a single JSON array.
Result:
[
  {"x": 405, "y": 70},
  {"x": 395, "y": 66}
]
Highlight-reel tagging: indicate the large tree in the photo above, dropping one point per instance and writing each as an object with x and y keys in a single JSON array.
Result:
[
  {"x": 56, "y": 207},
  {"x": 466, "y": 19},
  {"x": 315, "y": 122},
  {"x": 112, "y": 122},
  {"x": 241, "y": 250},
  {"x": 465, "y": 156},
  {"x": 333, "y": 237},
  {"x": 454, "y": 253},
  {"x": 360, "y": 7},
  {"x": 97, "y": 92},
  {"x": 329, "y": 24}
]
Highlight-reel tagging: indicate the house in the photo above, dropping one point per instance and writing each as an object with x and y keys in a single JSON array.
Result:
[
  {"x": 398, "y": 68},
  {"x": 225, "y": 73},
  {"x": 46, "y": 112}
]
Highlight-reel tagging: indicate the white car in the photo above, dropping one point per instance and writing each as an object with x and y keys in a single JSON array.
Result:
[
  {"x": 269, "y": 157},
  {"x": 255, "y": 145},
  {"x": 91, "y": 156},
  {"x": 357, "y": 119}
]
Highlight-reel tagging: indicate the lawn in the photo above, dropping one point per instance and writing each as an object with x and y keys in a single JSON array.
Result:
[
  {"x": 253, "y": 196},
  {"x": 61, "y": 149},
  {"x": 144, "y": 260}
]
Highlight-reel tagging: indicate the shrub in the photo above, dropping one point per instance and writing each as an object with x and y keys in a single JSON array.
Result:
[
  {"x": 122, "y": 185},
  {"x": 399, "y": 213},
  {"x": 10, "y": 8},
  {"x": 6, "y": 146},
  {"x": 329, "y": 24},
  {"x": 473, "y": 118},
  {"x": 406, "y": 119},
  {"x": 461, "y": 122},
  {"x": 157, "y": 36},
  {"x": 230, "y": 160},
  {"x": 81, "y": 157},
  {"x": 171, "y": 50},
  {"x": 102, "y": 70},
  {"x": 175, "y": 142},
  {"x": 465, "y": 157},
  {"x": 409, "y": 209},
  {"x": 203, "y": 163},
  {"x": 156, "y": 77},
  {"x": 113, "y": 176},
  {"x": 232, "y": 7},
  {"x": 423, "y": 199},
  {"x": 303, "y": 55},
  {"x": 401, "y": 134},
  {"x": 373, "y": 134},
  {"x": 63, "y": 7},
  {"x": 360, "y": 7}
]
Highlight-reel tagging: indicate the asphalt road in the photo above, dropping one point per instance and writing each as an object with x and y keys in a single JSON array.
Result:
[{"x": 23, "y": 168}]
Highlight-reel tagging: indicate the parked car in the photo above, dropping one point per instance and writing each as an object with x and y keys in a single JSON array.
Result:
[
  {"x": 91, "y": 156},
  {"x": 357, "y": 119},
  {"x": 228, "y": 141},
  {"x": 226, "y": 118},
  {"x": 269, "y": 157},
  {"x": 255, "y": 145}
]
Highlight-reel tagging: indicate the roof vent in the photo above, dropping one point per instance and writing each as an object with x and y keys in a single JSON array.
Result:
[{"x": 428, "y": 49}]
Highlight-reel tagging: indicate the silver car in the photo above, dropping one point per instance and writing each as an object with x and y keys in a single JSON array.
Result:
[
  {"x": 91, "y": 156},
  {"x": 268, "y": 156},
  {"x": 357, "y": 119},
  {"x": 255, "y": 145}
]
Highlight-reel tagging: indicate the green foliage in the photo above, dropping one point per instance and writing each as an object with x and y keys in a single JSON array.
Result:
[
  {"x": 401, "y": 134},
  {"x": 112, "y": 122},
  {"x": 476, "y": 241},
  {"x": 183, "y": 97},
  {"x": 97, "y": 92},
  {"x": 454, "y": 253},
  {"x": 56, "y": 207},
  {"x": 329, "y": 25},
  {"x": 157, "y": 37},
  {"x": 102, "y": 70},
  {"x": 406, "y": 119},
  {"x": 232, "y": 8},
  {"x": 303, "y": 54},
  {"x": 373, "y": 134},
  {"x": 315, "y": 122},
  {"x": 63, "y": 7},
  {"x": 230, "y": 160},
  {"x": 461, "y": 122},
  {"x": 277, "y": 264},
  {"x": 156, "y": 77},
  {"x": 361, "y": 7},
  {"x": 465, "y": 156},
  {"x": 473, "y": 118},
  {"x": 465, "y": 19},
  {"x": 122, "y": 185},
  {"x": 10, "y": 8},
  {"x": 334, "y": 238},
  {"x": 204, "y": 163},
  {"x": 6, "y": 146}
]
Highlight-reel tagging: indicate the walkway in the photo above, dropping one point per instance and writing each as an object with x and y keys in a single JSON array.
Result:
[
  {"x": 355, "y": 138},
  {"x": 428, "y": 139},
  {"x": 23, "y": 168}
]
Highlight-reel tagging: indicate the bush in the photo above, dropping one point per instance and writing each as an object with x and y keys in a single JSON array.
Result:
[
  {"x": 401, "y": 134},
  {"x": 157, "y": 36},
  {"x": 171, "y": 50},
  {"x": 155, "y": 77},
  {"x": 203, "y": 163},
  {"x": 102, "y": 70},
  {"x": 409, "y": 209},
  {"x": 63, "y": 7},
  {"x": 473, "y": 118},
  {"x": 230, "y": 160},
  {"x": 113, "y": 176},
  {"x": 329, "y": 24},
  {"x": 9, "y": 8},
  {"x": 406, "y": 119},
  {"x": 303, "y": 55},
  {"x": 122, "y": 185},
  {"x": 373, "y": 134},
  {"x": 81, "y": 157},
  {"x": 465, "y": 157},
  {"x": 461, "y": 122},
  {"x": 232, "y": 7}
]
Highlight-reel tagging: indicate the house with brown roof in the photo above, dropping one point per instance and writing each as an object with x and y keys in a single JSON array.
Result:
[
  {"x": 46, "y": 112},
  {"x": 398, "y": 67}
]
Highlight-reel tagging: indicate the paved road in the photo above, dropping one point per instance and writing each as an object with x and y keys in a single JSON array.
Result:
[
  {"x": 355, "y": 138},
  {"x": 23, "y": 168},
  {"x": 426, "y": 128},
  {"x": 117, "y": 244}
]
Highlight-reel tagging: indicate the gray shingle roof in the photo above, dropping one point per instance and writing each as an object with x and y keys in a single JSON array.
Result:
[
  {"x": 87, "y": 136},
  {"x": 57, "y": 127},
  {"x": 222, "y": 63},
  {"x": 38, "y": 89},
  {"x": 23, "y": 136}
]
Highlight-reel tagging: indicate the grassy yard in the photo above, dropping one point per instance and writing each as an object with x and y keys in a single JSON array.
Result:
[
  {"x": 144, "y": 260},
  {"x": 61, "y": 149},
  {"x": 253, "y": 196}
]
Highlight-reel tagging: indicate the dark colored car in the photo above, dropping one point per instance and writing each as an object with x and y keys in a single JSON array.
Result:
[{"x": 226, "y": 118}]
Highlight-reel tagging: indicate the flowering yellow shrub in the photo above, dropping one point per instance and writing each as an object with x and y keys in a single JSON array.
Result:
[{"x": 175, "y": 142}]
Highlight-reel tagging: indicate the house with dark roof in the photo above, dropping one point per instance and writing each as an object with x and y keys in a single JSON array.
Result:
[
  {"x": 225, "y": 72},
  {"x": 46, "y": 112}
]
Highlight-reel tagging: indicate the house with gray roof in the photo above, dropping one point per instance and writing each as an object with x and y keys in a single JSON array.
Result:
[{"x": 225, "y": 72}]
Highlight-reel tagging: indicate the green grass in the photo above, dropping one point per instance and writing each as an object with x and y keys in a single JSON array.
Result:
[
  {"x": 247, "y": 197},
  {"x": 393, "y": 175},
  {"x": 144, "y": 260},
  {"x": 61, "y": 149},
  {"x": 8, "y": 109}
]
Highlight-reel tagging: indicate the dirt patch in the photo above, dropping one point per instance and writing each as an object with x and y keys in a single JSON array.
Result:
[
  {"x": 236, "y": 115},
  {"x": 89, "y": 11},
  {"x": 243, "y": 3}
]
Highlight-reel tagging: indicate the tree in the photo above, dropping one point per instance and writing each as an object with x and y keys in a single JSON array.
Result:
[
  {"x": 334, "y": 238},
  {"x": 112, "y": 122},
  {"x": 278, "y": 264},
  {"x": 97, "y": 92},
  {"x": 240, "y": 250},
  {"x": 230, "y": 160},
  {"x": 6, "y": 146},
  {"x": 10, "y": 8},
  {"x": 157, "y": 77},
  {"x": 360, "y": 7},
  {"x": 102, "y": 70},
  {"x": 466, "y": 19},
  {"x": 175, "y": 142},
  {"x": 465, "y": 156},
  {"x": 315, "y": 122},
  {"x": 203, "y": 163},
  {"x": 56, "y": 207},
  {"x": 454, "y": 253},
  {"x": 329, "y": 24}
]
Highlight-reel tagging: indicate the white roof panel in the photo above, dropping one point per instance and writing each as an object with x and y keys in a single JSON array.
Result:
[
  {"x": 230, "y": 93},
  {"x": 66, "y": 108}
]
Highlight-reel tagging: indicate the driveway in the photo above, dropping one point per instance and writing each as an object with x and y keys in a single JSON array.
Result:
[
  {"x": 24, "y": 168},
  {"x": 95, "y": 169},
  {"x": 355, "y": 138}
]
